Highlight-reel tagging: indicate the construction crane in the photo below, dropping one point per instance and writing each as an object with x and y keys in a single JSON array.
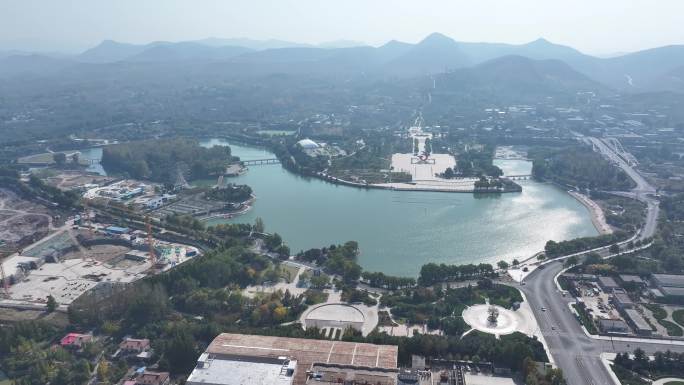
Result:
[{"x": 150, "y": 242}]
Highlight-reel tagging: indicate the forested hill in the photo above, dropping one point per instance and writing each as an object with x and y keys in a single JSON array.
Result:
[{"x": 160, "y": 160}]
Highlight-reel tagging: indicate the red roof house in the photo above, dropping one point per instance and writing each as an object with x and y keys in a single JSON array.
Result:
[{"x": 75, "y": 340}]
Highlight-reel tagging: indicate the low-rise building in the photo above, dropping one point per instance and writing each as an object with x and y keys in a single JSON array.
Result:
[
  {"x": 638, "y": 323},
  {"x": 668, "y": 280},
  {"x": 233, "y": 359},
  {"x": 75, "y": 340},
  {"x": 672, "y": 291},
  {"x": 607, "y": 284},
  {"x": 632, "y": 279},
  {"x": 134, "y": 345},
  {"x": 622, "y": 301},
  {"x": 153, "y": 378},
  {"x": 613, "y": 326}
]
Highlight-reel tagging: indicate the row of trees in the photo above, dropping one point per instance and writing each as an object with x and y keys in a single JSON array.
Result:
[
  {"x": 380, "y": 280},
  {"x": 664, "y": 364},
  {"x": 577, "y": 166},
  {"x": 554, "y": 249},
  {"x": 432, "y": 273}
]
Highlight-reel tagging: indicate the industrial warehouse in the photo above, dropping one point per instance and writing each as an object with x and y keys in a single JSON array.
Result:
[{"x": 249, "y": 359}]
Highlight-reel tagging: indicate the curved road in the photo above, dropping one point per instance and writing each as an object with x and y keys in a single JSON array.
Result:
[{"x": 578, "y": 355}]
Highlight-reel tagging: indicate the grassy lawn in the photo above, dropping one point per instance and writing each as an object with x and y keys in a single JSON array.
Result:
[
  {"x": 48, "y": 158},
  {"x": 288, "y": 272},
  {"x": 678, "y": 316},
  {"x": 585, "y": 319},
  {"x": 314, "y": 296},
  {"x": 626, "y": 377},
  {"x": 672, "y": 328},
  {"x": 658, "y": 311}
]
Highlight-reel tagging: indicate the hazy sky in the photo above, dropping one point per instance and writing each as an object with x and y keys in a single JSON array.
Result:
[{"x": 593, "y": 26}]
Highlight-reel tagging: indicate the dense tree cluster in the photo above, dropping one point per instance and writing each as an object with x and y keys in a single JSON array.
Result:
[
  {"x": 508, "y": 351},
  {"x": 533, "y": 377},
  {"x": 432, "y": 273},
  {"x": 230, "y": 193},
  {"x": 274, "y": 243},
  {"x": 477, "y": 162},
  {"x": 336, "y": 259},
  {"x": 27, "y": 356},
  {"x": 664, "y": 364},
  {"x": 162, "y": 160},
  {"x": 380, "y": 280},
  {"x": 442, "y": 309},
  {"x": 37, "y": 189},
  {"x": 554, "y": 249},
  {"x": 577, "y": 166}
]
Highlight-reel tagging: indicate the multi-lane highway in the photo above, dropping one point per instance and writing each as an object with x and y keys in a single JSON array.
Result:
[{"x": 572, "y": 349}]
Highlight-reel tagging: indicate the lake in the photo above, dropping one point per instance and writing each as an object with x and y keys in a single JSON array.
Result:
[{"x": 399, "y": 231}]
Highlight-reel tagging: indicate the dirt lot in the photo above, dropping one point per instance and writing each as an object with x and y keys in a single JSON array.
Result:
[
  {"x": 100, "y": 253},
  {"x": 70, "y": 179},
  {"x": 21, "y": 220}
]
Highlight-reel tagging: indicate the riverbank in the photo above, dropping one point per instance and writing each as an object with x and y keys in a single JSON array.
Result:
[
  {"x": 464, "y": 185},
  {"x": 598, "y": 218},
  {"x": 399, "y": 231}
]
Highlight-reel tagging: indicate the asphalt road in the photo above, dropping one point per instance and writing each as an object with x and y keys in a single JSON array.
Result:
[
  {"x": 577, "y": 354},
  {"x": 573, "y": 351}
]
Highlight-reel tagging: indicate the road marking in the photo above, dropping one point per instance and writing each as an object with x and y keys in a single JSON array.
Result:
[
  {"x": 582, "y": 369},
  {"x": 330, "y": 353}
]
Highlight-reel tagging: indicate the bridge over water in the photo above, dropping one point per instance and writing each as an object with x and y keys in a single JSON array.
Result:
[
  {"x": 518, "y": 177},
  {"x": 257, "y": 162}
]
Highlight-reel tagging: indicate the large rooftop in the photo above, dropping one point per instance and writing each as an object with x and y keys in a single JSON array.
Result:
[
  {"x": 233, "y": 372},
  {"x": 638, "y": 320},
  {"x": 673, "y": 291},
  {"x": 305, "y": 351},
  {"x": 673, "y": 280}
]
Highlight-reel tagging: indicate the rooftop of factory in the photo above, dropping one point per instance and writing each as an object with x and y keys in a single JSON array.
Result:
[
  {"x": 228, "y": 372},
  {"x": 306, "y": 352}
]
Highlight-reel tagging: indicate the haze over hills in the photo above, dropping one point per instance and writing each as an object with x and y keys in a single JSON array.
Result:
[{"x": 654, "y": 69}]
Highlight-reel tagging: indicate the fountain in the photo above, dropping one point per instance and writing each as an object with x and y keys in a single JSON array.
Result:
[{"x": 493, "y": 316}]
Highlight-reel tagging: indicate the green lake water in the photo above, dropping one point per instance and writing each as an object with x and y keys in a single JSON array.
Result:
[{"x": 399, "y": 231}]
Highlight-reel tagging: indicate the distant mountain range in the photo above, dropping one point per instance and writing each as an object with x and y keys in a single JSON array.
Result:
[{"x": 657, "y": 69}]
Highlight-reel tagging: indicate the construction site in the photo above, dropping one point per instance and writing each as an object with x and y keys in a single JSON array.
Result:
[
  {"x": 21, "y": 222},
  {"x": 81, "y": 255}
]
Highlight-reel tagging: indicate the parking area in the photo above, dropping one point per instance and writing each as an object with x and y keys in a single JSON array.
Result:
[{"x": 597, "y": 301}]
